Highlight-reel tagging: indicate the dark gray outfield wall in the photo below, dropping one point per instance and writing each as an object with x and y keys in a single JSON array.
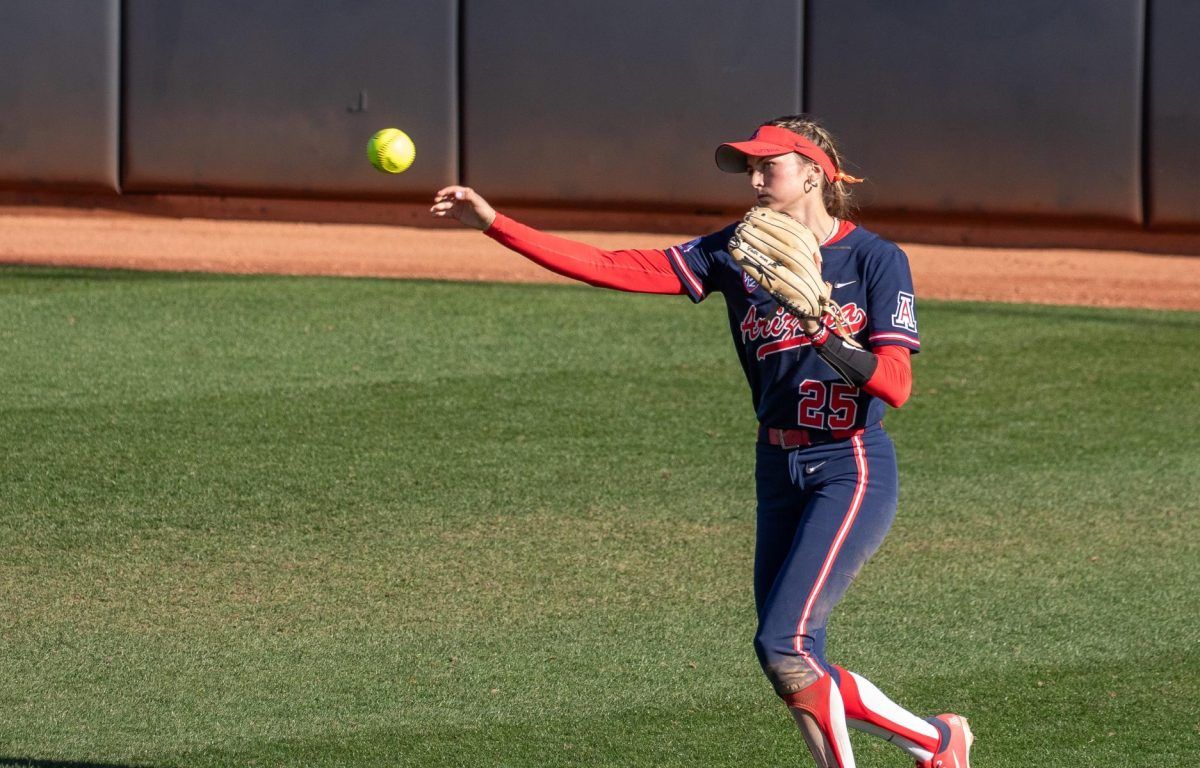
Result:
[
  {"x": 1033, "y": 109},
  {"x": 237, "y": 96},
  {"x": 1026, "y": 107},
  {"x": 59, "y": 94},
  {"x": 1174, "y": 112},
  {"x": 623, "y": 101}
]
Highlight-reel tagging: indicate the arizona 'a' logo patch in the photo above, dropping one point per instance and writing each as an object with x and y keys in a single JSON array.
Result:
[
  {"x": 749, "y": 282},
  {"x": 905, "y": 315}
]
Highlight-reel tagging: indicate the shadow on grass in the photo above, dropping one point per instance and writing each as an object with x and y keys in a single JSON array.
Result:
[
  {"x": 33, "y": 762},
  {"x": 50, "y": 272},
  {"x": 1065, "y": 312}
]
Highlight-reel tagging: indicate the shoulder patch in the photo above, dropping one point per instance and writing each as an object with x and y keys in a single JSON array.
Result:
[{"x": 905, "y": 315}]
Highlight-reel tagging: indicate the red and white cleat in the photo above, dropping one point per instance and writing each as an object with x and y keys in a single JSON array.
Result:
[{"x": 955, "y": 747}]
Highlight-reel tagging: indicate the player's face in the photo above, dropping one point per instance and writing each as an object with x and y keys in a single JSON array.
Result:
[{"x": 778, "y": 181}]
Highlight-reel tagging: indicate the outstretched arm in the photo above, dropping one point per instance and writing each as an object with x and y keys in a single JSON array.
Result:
[{"x": 634, "y": 270}]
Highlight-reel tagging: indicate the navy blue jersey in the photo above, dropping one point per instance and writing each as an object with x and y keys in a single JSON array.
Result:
[{"x": 791, "y": 386}]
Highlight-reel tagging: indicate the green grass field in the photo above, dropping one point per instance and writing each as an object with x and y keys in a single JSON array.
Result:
[{"x": 318, "y": 522}]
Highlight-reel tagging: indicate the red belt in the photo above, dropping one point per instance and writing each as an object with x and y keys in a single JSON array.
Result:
[{"x": 799, "y": 438}]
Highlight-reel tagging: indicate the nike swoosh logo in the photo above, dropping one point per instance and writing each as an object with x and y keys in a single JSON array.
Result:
[
  {"x": 843, "y": 285},
  {"x": 808, "y": 470}
]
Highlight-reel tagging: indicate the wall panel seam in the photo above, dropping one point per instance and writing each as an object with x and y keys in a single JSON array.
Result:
[{"x": 1145, "y": 150}]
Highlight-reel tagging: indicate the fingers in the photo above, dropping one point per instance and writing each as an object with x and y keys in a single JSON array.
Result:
[
  {"x": 800, "y": 292},
  {"x": 464, "y": 204},
  {"x": 446, "y": 199},
  {"x": 788, "y": 232},
  {"x": 793, "y": 271},
  {"x": 784, "y": 285},
  {"x": 454, "y": 194},
  {"x": 454, "y": 191},
  {"x": 798, "y": 240}
]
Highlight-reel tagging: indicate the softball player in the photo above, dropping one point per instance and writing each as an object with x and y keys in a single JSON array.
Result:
[{"x": 826, "y": 471}]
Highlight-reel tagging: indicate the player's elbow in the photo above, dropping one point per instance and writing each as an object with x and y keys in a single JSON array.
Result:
[
  {"x": 891, "y": 381},
  {"x": 894, "y": 393},
  {"x": 897, "y": 397}
]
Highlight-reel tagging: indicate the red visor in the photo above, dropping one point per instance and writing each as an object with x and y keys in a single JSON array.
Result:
[{"x": 771, "y": 140}]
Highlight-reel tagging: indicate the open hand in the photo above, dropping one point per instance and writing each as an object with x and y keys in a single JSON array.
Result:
[{"x": 464, "y": 204}]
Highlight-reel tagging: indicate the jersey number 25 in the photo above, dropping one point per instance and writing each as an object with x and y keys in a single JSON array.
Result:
[{"x": 827, "y": 404}]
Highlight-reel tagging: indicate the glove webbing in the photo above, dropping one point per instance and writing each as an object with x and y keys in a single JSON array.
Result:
[{"x": 839, "y": 323}]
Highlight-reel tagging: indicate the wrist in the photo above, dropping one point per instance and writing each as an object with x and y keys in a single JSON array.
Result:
[
  {"x": 488, "y": 218},
  {"x": 819, "y": 336},
  {"x": 854, "y": 364}
]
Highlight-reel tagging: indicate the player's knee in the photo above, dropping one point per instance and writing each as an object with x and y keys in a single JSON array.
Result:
[{"x": 788, "y": 672}]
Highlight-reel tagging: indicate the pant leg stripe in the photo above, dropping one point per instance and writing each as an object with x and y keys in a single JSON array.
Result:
[{"x": 860, "y": 490}]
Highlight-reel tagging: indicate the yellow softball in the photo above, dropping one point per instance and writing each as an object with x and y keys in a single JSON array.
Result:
[{"x": 391, "y": 151}]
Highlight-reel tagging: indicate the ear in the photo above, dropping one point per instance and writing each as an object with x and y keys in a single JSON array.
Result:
[{"x": 814, "y": 172}]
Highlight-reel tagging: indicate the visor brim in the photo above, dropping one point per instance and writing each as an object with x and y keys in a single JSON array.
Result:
[{"x": 731, "y": 157}]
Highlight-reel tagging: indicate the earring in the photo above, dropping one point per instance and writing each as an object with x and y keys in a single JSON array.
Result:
[{"x": 809, "y": 186}]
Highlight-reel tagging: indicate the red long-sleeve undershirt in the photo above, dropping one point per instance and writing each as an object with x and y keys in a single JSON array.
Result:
[
  {"x": 892, "y": 380},
  {"x": 633, "y": 270},
  {"x": 640, "y": 270}
]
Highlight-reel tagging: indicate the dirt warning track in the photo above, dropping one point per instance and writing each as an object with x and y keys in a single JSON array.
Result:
[{"x": 125, "y": 240}]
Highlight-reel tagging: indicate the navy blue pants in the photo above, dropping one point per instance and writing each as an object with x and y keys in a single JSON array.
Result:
[{"x": 823, "y": 510}]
